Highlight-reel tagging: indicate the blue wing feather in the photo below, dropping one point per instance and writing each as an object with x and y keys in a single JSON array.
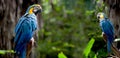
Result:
[
  {"x": 18, "y": 29},
  {"x": 24, "y": 34},
  {"x": 19, "y": 23},
  {"x": 24, "y": 31},
  {"x": 108, "y": 29}
]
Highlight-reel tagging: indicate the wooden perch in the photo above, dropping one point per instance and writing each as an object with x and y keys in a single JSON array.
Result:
[
  {"x": 29, "y": 47},
  {"x": 115, "y": 50}
]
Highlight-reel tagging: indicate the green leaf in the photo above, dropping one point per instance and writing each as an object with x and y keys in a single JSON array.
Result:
[
  {"x": 88, "y": 48},
  {"x": 2, "y": 52},
  {"x": 95, "y": 56},
  {"x": 61, "y": 55},
  {"x": 6, "y": 51}
]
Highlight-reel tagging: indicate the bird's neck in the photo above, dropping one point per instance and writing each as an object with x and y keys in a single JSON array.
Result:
[
  {"x": 30, "y": 15},
  {"x": 101, "y": 19}
]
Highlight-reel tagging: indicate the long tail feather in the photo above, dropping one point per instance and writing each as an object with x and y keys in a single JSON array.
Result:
[{"x": 109, "y": 43}]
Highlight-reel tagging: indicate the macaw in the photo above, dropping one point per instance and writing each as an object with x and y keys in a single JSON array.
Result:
[
  {"x": 107, "y": 29},
  {"x": 25, "y": 29}
]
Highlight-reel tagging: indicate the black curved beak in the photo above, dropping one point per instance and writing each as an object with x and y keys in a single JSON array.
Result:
[
  {"x": 38, "y": 11},
  {"x": 98, "y": 17}
]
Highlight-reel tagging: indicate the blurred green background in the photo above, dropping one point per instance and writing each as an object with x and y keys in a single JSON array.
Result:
[{"x": 68, "y": 27}]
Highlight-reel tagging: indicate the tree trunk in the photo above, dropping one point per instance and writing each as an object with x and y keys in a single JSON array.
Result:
[
  {"x": 10, "y": 12},
  {"x": 114, "y": 15}
]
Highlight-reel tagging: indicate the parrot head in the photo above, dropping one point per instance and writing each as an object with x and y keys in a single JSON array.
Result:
[
  {"x": 101, "y": 16},
  {"x": 35, "y": 8}
]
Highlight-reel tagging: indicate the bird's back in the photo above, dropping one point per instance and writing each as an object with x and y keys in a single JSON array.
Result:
[
  {"x": 107, "y": 27},
  {"x": 24, "y": 31}
]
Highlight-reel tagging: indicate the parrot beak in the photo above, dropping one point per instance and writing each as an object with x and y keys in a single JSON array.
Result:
[
  {"x": 37, "y": 9},
  {"x": 98, "y": 16}
]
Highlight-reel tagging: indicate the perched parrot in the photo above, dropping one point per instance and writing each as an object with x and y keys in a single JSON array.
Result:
[
  {"x": 107, "y": 29},
  {"x": 25, "y": 29}
]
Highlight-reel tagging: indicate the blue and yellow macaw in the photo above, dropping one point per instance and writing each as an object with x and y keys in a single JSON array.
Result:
[
  {"x": 25, "y": 29},
  {"x": 107, "y": 29}
]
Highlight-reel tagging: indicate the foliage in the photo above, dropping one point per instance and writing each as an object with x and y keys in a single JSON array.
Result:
[
  {"x": 61, "y": 55},
  {"x": 95, "y": 56},
  {"x": 6, "y": 51},
  {"x": 88, "y": 48},
  {"x": 68, "y": 26}
]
